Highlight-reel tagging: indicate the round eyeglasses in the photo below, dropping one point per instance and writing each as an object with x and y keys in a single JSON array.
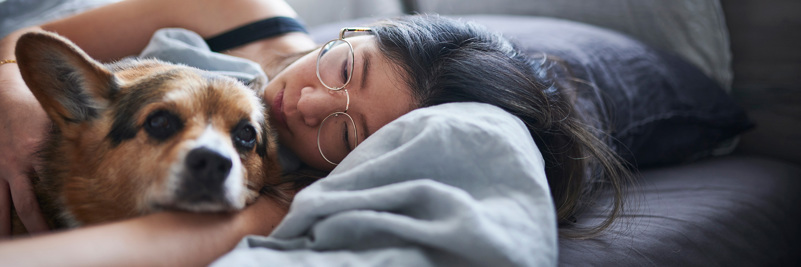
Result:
[{"x": 337, "y": 134}]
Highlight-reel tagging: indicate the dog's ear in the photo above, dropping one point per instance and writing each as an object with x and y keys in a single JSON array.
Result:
[
  {"x": 70, "y": 86},
  {"x": 258, "y": 85}
]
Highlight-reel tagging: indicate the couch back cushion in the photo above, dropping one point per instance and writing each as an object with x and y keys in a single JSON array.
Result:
[{"x": 694, "y": 29}]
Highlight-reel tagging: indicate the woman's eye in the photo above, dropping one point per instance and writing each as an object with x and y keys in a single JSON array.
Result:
[
  {"x": 346, "y": 136},
  {"x": 244, "y": 136},
  {"x": 345, "y": 71},
  {"x": 162, "y": 124}
]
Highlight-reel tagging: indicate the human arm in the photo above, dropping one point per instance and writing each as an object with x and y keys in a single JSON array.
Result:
[
  {"x": 23, "y": 124},
  {"x": 166, "y": 238}
]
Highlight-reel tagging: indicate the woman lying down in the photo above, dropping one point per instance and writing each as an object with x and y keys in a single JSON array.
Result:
[{"x": 428, "y": 141}]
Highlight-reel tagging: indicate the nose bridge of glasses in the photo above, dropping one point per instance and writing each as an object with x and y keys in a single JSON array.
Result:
[{"x": 335, "y": 100}]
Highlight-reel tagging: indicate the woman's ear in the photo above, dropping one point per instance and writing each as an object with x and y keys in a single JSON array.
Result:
[{"x": 70, "y": 86}]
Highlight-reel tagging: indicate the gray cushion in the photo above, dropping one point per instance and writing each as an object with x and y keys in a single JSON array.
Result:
[
  {"x": 658, "y": 108},
  {"x": 728, "y": 211}
]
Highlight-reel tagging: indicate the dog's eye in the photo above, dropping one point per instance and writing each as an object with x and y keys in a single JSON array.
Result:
[
  {"x": 244, "y": 136},
  {"x": 162, "y": 124}
]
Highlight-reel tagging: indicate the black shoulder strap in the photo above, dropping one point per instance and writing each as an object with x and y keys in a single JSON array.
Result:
[{"x": 258, "y": 30}]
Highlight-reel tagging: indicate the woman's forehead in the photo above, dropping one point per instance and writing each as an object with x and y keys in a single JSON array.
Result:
[
  {"x": 381, "y": 92},
  {"x": 368, "y": 41}
]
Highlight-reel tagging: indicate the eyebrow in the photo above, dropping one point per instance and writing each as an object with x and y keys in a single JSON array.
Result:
[
  {"x": 365, "y": 71},
  {"x": 364, "y": 126},
  {"x": 363, "y": 86}
]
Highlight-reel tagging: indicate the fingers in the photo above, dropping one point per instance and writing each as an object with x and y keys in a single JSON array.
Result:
[
  {"x": 27, "y": 206},
  {"x": 5, "y": 210}
]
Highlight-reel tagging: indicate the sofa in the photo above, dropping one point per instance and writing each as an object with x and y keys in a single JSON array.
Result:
[
  {"x": 729, "y": 197},
  {"x": 736, "y": 206}
]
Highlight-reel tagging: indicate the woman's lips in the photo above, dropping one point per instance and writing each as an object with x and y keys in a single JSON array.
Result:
[{"x": 277, "y": 109}]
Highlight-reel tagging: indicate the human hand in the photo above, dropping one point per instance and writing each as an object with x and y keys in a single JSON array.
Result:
[{"x": 23, "y": 124}]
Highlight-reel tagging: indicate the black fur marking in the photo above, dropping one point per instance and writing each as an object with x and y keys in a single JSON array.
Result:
[
  {"x": 127, "y": 105},
  {"x": 261, "y": 148},
  {"x": 72, "y": 93},
  {"x": 48, "y": 180},
  {"x": 163, "y": 124}
]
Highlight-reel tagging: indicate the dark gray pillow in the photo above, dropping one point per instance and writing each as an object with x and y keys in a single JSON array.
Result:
[{"x": 658, "y": 108}]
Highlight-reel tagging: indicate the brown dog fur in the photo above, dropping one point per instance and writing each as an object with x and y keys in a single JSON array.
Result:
[{"x": 104, "y": 161}]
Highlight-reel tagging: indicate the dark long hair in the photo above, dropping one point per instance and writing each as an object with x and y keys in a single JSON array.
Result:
[{"x": 446, "y": 60}]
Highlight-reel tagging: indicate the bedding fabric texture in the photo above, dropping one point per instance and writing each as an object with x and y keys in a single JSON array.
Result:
[
  {"x": 459, "y": 184},
  {"x": 182, "y": 46}
]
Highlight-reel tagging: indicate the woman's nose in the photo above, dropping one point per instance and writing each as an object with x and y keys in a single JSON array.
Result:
[{"x": 317, "y": 103}]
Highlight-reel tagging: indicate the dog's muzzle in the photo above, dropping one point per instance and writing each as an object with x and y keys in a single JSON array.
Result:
[
  {"x": 206, "y": 171},
  {"x": 209, "y": 178}
]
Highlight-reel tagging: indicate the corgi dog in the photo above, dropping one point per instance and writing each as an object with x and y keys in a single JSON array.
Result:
[{"x": 139, "y": 136}]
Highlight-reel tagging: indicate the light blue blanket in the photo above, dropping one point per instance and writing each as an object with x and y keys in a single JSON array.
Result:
[{"x": 455, "y": 184}]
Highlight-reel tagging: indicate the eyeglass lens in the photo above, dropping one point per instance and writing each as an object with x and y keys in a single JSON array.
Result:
[
  {"x": 337, "y": 136},
  {"x": 335, "y": 64}
]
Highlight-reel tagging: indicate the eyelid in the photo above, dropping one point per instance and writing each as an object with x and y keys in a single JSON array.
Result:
[
  {"x": 345, "y": 71},
  {"x": 346, "y": 136}
]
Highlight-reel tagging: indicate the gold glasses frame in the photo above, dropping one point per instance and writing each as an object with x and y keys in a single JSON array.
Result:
[{"x": 341, "y": 38}]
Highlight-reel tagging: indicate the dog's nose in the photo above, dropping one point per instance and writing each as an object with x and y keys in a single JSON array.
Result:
[{"x": 208, "y": 167}]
